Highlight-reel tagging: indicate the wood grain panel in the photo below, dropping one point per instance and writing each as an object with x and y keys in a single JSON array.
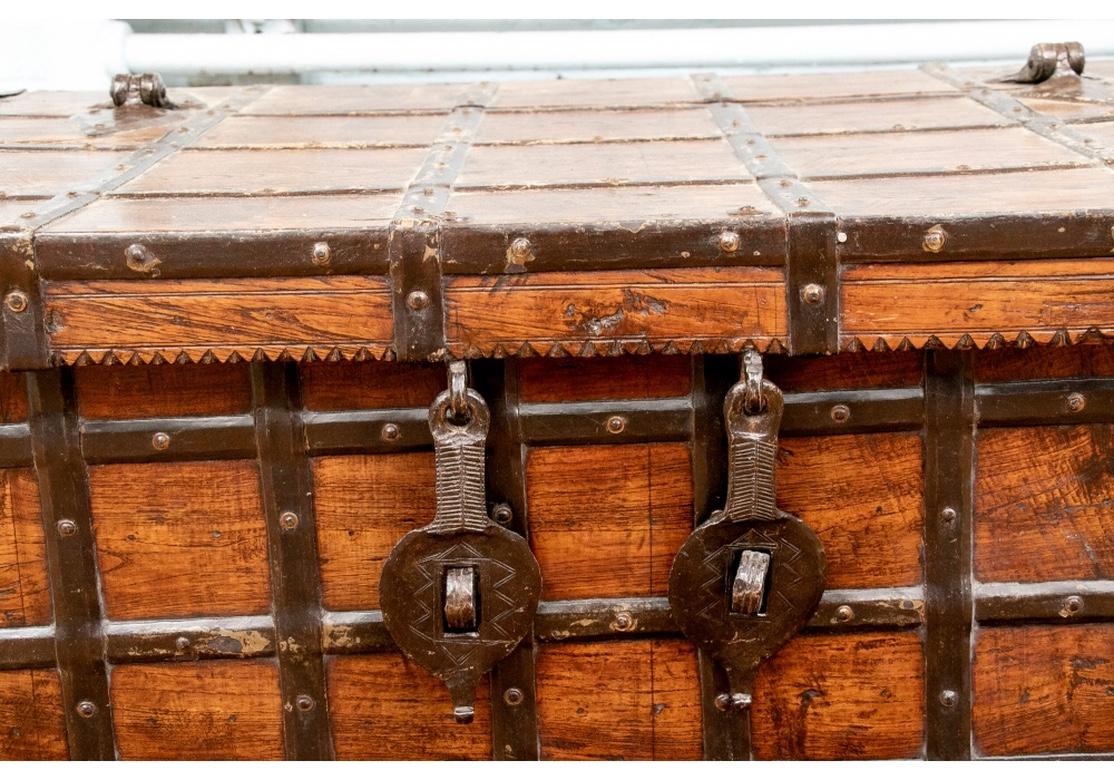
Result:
[
  {"x": 608, "y": 519},
  {"x": 365, "y": 504},
  {"x": 270, "y": 172},
  {"x": 47, "y": 173},
  {"x": 624, "y": 700},
  {"x": 407, "y": 717},
  {"x": 864, "y": 497},
  {"x": 602, "y": 164},
  {"x": 578, "y": 311},
  {"x": 876, "y": 116},
  {"x": 873, "y": 154},
  {"x": 169, "y": 316},
  {"x": 357, "y": 99},
  {"x": 599, "y": 93},
  {"x": 205, "y": 710},
  {"x": 1044, "y": 690},
  {"x": 597, "y": 126},
  {"x": 31, "y": 724},
  {"x": 1076, "y": 360},
  {"x": 846, "y": 371},
  {"x": 851, "y": 696},
  {"x": 59, "y": 131},
  {"x": 949, "y": 300},
  {"x": 24, "y": 587},
  {"x": 317, "y": 132},
  {"x": 13, "y": 397},
  {"x": 626, "y": 377},
  {"x": 803, "y": 87},
  {"x": 180, "y": 539},
  {"x": 169, "y": 390},
  {"x": 1044, "y": 504},
  {"x": 370, "y": 385}
]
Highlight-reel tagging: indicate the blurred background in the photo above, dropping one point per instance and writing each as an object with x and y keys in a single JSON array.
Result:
[{"x": 83, "y": 54}]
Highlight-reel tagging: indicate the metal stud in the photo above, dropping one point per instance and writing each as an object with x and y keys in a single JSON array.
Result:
[
  {"x": 502, "y": 514},
  {"x": 66, "y": 527},
  {"x": 624, "y": 621},
  {"x": 949, "y": 698},
  {"x": 321, "y": 253},
  {"x": 304, "y": 703},
  {"x": 1076, "y": 402},
  {"x": 729, "y": 241},
  {"x": 845, "y": 614},
  {"x": 521, "y": 248},
  {"x": 417, "y": 300},
  {"x": 949, "y": 515},
  {"x": 86, "y": 709},
  {"x": 841, "y": 413},
  {"x": 616, "y": 424},
  {"x": 1072, "y": 605},
  {"x": 16, "y": 301},
  {"x": 390, "y": 432},
  {"x": 812, "y": 294},
  {"x": 513, "y": 696},
  {"x": 182, "y": 643},
  {"x": 160, "y": 441},
  {"x": 288, "y": 521},
  {"x": 934, "y": 239}
]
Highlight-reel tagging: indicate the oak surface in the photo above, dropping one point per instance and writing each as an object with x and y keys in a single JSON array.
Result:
[
  {"x": 24, "y": 587},
  {"x": 31, "y": 724}
]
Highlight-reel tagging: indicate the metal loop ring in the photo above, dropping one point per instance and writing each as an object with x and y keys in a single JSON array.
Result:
[
  {"x": 754, "y": 396},
  {"x": 458, "y": 391}
]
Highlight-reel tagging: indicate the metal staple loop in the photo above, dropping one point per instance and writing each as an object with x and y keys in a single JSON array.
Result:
[
  {"x": 754, "y": 400},
  {"x": 458, "y": 390}
]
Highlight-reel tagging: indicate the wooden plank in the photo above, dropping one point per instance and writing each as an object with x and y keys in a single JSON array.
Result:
[
  {"x": 856, "y": 696},
  {"x": 198, "y": 710},
  {"x": 597, "y": 93},
  {"x": 370, "y": 385},
  {"x": 626, "y": 377},
  {"x": 982, "y": 300},
  {"x": 68, "y": 133},
  {"x": 128, "y": 392},
  {"x": 875, "y": 116},
  {"x": 270, "y": 172},
  {"x": 1044, "y": 690},
  {"x": 310, "y": 132},
  {"x": 813, "y": 87},
  {"x": 846, "y": 371},
  {"x": 596, "y": 126},
  {"x": 614, "y": 310},
  {"x": 1042, "y": 506},
  {"x": 47, "y": 173},
  {"x": 608, "y": 519},
  {"x": 341, "y": 100},
  {"x": 172, "y": 317},
  {"x": 1076, "y": 360},
  {"x": 31, "y": 724},
  {"x": 365, "y": 504},
  {"x": 863, "y": 496},
  {"x": 628, "y": 700},
  {"x": 155, "y": 523},
  {"x": 409, "y": 717},
  {"x": 24, "y": 587}
]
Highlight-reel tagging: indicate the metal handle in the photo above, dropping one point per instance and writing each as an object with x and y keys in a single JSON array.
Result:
[{"x": 752, "y": 444}]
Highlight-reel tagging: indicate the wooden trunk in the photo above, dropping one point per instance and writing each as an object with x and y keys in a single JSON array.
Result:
[{"x": 224, "y": 324}]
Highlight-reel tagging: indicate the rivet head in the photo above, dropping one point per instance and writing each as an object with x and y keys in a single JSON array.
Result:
[
  {"x": 1076, "y": 402},
  {"x": 949, "y": 515},
  {"x": 521, "y": 247},
  {"x": 1072, "y": 605},
  {"x": 934, "y": 239},
  {"x": 16, "y": 301},
  {"x": 949, "y": 698},
  {"x": 182, "y": 643},
  {"x": 288, "y": 521},
  {"x": 812, "y": 294},
  {"x": 502, "y": 514},
  {"x": 136, "y": 252},
  {"x": 624, "y": 621},
  {"x": 86, "y": 709},
  {"x": 841, "y": 413},
  {"x": 321, "y": 253},
  {"x": 390, "y": 432},
  {"x": 66, "y": 527},
  {"x": 161, "y": 441},
  {"x": 732, "y": 702},
  {"x": 417, "y": 300},
  {"x": 616, "y": 424},
  {"x": 513, "y": 696},
  {"x": 729, "y": 241},
  {"x": 841, "y": 237},
  {"x": 304, "y": 703},
  {"x": 845, "y": 614}
]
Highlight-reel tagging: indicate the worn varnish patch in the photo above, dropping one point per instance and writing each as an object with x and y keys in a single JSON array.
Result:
[
  {"x": 851, "y": 696},
  {"x": 169, "y": 390},
  {"x": 608, "y": 519},
  {"x": 1043, "y": 689},
  {"x": 24, "y": 590},
  {"x": 365, "y": 504},
  {"x": 408, "y": 716},
  {"x": 180, "y": 539},
  {"x": 31, "y": 724},
  {"x": 864, "y": 497},
  {"x": 1044, "y": 504},
  {"x": 624, "y": 700},
  {"x": 204, "y": 710}
]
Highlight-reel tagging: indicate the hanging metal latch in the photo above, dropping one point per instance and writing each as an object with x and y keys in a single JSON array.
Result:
[
  {"x": 1051, "y": 59},
  {"x": 147, "y": 87},
  {"x": 459, "y": 594},
  {"x": 751, "y": 576}
]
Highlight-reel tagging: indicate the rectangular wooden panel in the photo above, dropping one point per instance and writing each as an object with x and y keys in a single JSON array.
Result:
[
  {"x": 851, "y": 696},
  {"x": 48, "y": 173},
  {"x": 628, "y": 700},
  {"x": 24, "y": 589},
  {"x": 332, "y": 132},
  {"x": 31, "y": 724},
  {"x": 596, "y": 126},
  {"x": 370, "y": 385},
  {"x": 608, "y": 520},
  {"x": 864, "y": 497},
  {"x": 1076, "y": 360},
  {"x": 180, "y": 539},
  {"x": 170, "y": 317},
  {"x": 1043, "y": 499},
  {"x": 599, "y": 93},
  {"x": 846, "y": 371},
  {"x": 1044, "y": 689},
  {"x": 169, "y": 390},
  {"x": 809, "y": 87},
  {"x": 877, "y": 116},
  {"x": 981, "y": 299},
  {"x": 387, "y": 709},
  {"x": 626, "y": 377},
  {"x": 365, "y": 504},
  {"x": 205, "y": 710},
  {"x": 299, "y": 99},
  {"x": 578, "y": 311},
  {"x": 13, "y": 397}
]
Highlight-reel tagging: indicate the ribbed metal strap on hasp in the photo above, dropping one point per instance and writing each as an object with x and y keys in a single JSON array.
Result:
[
  {"x": 752, "y": 413},
  {"x": 459, "y": 457}
]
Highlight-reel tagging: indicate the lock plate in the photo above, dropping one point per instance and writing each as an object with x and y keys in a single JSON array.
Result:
[{"x": 459, "y": 594}]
